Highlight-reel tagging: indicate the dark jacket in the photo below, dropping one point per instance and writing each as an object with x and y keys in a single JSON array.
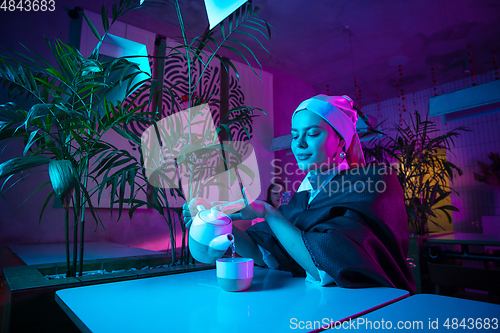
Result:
[{"x": 355, "y": 229}]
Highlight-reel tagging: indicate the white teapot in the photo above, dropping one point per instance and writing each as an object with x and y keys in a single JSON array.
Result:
[{"x": 210, "y": 235}]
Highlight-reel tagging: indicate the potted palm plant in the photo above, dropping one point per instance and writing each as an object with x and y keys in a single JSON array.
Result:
[
  {"x": 417, "y": 153},
  {"x": 64, "y": 129}
]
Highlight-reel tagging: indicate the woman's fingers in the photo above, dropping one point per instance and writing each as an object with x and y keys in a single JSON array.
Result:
[
  {"x": 194, "y": 202},
  {"x": 242, "y": 209},
  {"x": 235, "y": 217},
  {"x": 231, "y": 207},
  {"x": 246, "y": 196}
]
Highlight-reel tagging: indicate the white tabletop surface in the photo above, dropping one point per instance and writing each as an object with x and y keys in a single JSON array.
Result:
[
  {"x": 193, "y": 302},
  {"x": 429, "y": 313},
  {"x": 36, "y": 254}
]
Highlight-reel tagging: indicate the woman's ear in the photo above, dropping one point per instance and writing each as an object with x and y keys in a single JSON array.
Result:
[{"x": 341, "y": 143}]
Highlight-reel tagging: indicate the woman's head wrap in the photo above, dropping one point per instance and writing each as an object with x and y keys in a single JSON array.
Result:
[{"x": 338, "y": 111}]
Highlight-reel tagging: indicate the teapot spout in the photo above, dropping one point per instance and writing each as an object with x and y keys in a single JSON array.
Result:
[
  {"x": 222, "y": 242},
  {"x": 219, "y": 245},
  {"x": 209, "y": 254}
]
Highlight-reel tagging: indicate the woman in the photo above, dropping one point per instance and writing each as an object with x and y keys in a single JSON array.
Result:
[
  {"x": 274, "y": 194},
  {"x": 347, "y": 222}
]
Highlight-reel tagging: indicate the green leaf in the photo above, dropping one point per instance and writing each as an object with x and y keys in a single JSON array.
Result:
[
  {"x": 128, "y": 135},
  {"x": 448, "y": 171},
  {"x": 131, "y": 181},
  {"x": 104, "y": 16},
  {"x": 11, "y": 112},
  {"x": 230, "y": 20},
  {"x": 222, "y": 28},
  {"x": 91, "y": 206},
  {"x": 30, "y": 142},
  {"x": 242, "y": 56},
  {"x": 237, "y": 16},
  {"x": 19, "y": 164},
  {"x": 226, "y": 61},
  {"x": 448, "y": 207},
  {"x": 36, "y": 111},
  {"x": 248, "y": 171},
  {"x": 59, "y": 75},
  {"x": 249, "y": 34},
  {"x": 80, "y": 140},
  {"x": 114, "y": 185},
  {"x": 52, "y": 86},
  {"x": 121, "y": 198},
  {"x": 45, "y": 205},
  {"x": 91, "y": 26},
  {"x": 255, "y": 29}
]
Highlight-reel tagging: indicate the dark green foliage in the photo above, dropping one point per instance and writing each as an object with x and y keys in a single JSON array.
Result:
[{"x": 417, "y": 152}]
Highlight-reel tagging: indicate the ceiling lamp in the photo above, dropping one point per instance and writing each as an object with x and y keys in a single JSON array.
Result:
[
  {"x": 218, "y": 10},
  {"x": 116, "y": 47}
]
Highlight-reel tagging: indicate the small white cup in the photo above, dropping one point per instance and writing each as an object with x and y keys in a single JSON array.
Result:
[{"x": 234, "y": 274}]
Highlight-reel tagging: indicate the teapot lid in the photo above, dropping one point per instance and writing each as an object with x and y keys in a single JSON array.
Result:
[{"x": 214, "y": 216}]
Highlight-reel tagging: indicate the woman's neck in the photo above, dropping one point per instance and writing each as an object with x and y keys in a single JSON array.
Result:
[{"x": 325, "y": 168}]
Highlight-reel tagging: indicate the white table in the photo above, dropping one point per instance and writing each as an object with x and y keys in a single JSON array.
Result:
[
  {"x": 193, "y": 302},
  {"x": 430, "y": 313}
]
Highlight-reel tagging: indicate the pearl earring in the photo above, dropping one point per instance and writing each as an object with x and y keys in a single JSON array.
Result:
[{"x": 342, "y": 154}]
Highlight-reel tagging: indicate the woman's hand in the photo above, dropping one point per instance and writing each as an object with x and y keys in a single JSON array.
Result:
[
  {"x": 189, "y": 207},
  {"x": 244, "y": 209}
]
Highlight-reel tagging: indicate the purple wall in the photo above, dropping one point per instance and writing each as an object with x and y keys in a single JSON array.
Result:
[{"x": 289, "y": 92}]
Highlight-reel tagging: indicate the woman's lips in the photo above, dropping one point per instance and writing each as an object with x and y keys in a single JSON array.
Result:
[{"x": 303, "y": 157}]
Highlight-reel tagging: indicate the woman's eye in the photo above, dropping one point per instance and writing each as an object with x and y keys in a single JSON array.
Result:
[
  {"x": 313, "y": 134},
  {"x": 294, "y": 137}
]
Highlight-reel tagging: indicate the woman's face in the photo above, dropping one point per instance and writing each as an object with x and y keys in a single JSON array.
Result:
[
  {"x": 276, "y": 193},
  {"x": 315, "y": 143}
]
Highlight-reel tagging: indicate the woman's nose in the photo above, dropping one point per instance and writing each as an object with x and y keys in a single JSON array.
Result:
[{"x": 301, "y": 142}]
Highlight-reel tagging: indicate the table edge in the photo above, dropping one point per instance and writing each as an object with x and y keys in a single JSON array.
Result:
[
  {"x": 362, "y": 313},
  {"x": 74, "y": 318}
]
